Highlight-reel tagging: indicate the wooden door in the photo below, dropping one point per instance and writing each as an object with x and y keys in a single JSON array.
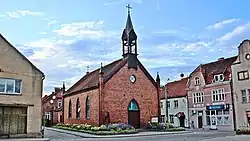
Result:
[
  {"x": 134, "y": 118},
  {"x": 182, "y": 121},
  {"x": 200, "y": 122}
]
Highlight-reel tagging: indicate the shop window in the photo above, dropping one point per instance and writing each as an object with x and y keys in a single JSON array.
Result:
[{"x": 219, "y": 120}]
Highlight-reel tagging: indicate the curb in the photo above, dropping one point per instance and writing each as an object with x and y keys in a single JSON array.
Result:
[{"x": 116, "y": 136}]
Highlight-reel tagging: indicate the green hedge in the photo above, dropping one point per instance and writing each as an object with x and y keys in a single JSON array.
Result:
[
  {"x": 111, "y": 129},
  {"x": 165, "y": 127},
  {"x": 243, "y": 131}
]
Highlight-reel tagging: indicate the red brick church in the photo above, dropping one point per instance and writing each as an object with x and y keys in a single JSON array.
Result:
[{"x": 120, "y": 92}]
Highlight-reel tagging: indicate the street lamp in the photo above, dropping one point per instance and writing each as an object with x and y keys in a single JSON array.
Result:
[{"x": 52, "y": 110}]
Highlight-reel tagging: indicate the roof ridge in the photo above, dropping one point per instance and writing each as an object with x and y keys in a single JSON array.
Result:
[
  {"x": 218, "y": 60},
  {"x": 92, "y": 72}
]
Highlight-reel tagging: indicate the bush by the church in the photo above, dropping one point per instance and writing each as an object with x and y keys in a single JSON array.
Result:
[
  {"x": 110, "y": 129},
  {"x": 243, "y": 131},
  {"x": 162, "y": 127}
]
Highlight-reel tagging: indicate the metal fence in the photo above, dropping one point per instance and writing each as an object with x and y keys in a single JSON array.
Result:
[{"x": 13, "y": 120}]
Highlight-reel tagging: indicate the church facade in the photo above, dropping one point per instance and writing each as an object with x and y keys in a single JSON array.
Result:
[{"x": 120, "y": 92}]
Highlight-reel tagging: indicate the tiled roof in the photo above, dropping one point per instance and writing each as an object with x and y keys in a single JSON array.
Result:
[
  {"x": 92, "y": 78},
  {"x": 221, "y": 66},
  {"x": 177, "y": 88}
]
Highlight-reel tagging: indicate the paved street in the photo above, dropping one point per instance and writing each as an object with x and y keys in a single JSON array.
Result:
[{"x": 195, "y": 136}]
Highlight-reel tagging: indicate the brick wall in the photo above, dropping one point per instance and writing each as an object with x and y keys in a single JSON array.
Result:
[
  {"x": 94, "y": 108},
  {"x": 119, "y": 91}
]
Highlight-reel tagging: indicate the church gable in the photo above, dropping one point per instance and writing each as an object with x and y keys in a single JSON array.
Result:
[{"x": 14, "y": 61}]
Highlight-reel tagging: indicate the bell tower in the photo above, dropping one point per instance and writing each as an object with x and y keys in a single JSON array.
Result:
[
  {"x": 129, "y": 42},
  {"x": 129, "y": 37}
]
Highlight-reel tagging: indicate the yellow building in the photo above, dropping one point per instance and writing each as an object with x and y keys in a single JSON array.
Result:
[{"x": 21, "y": 86}]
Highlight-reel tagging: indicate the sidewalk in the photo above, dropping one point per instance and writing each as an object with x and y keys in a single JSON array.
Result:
[
  {"x": 231, "y": 138},
  {"x": 29, "y": 139},
  {"x": 85, "y": 135}
]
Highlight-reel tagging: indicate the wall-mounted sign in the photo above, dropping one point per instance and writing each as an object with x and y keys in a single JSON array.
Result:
[{"x": 217, "y": 107}]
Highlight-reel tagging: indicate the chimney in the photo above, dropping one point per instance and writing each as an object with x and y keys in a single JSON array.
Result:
[
  {"x": 87, "y": 72},
  {"x": 57, "y": 89},
  {"x": 220, "y": 59}
]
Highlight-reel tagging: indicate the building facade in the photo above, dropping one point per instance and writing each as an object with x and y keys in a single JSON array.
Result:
[
  {"x": 241, "y": 85},
  {"x": 115, "y": 93},
  {"x": 52, "y": 106},
  {"x": 21, "y": 87},
  {"x": 177, "y": 103},
  {"x": 209, "y": 96}
]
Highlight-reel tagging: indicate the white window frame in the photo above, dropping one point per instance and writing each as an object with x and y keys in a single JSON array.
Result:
[
  {"x": 48, "y": 115},
  {"x": 244, "y": 75},
  {"x": 219, "y": 78},
  {"x": 168, "y": 104},
  {"x": 59, "y": 103},
  {"x": 218, "y": 95},
  {"x": 197, "y": 80},
  {"x": 14, "y": 81},
  {"x": 198, "y": 97},
  {"x": 171, "y": 118},
  {"x": 176, "y": 103}
]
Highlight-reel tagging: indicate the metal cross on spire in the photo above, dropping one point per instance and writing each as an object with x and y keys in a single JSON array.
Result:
[{"x": 128, "y": 6}]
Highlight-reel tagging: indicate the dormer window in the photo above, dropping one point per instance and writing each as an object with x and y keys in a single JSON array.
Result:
[
  {"x": 197, "y": 80},
  {"x": 218, "y": 78}
]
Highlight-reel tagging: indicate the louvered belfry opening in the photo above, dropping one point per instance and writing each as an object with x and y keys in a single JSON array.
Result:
[{"x": 13, "y": 120}]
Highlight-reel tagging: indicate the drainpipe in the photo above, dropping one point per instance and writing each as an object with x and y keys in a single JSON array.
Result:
[
  {"x": 233, "y": 104},
  {"x": 166, "y": 101}
]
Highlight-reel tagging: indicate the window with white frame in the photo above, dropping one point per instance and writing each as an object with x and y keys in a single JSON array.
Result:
[
  {"x": 10, "y": 86},
  {"x": 218, "y": 95},
  {"x": 176, "y": 104},
  {"x": 198, "y": 97},
  {"x": 47, "y": 115},
  {"x": 221, "y": 117},
  {"x": 59, "y": 103},
  {"x": 243, "y": 75},
  {"x": 244, "y": 96},
  {"x": 168, "y": 103},
  {"x": 171, "y": 118},
  {"x": 218, "y": 78},
  {"x": 197, "y": 80}
]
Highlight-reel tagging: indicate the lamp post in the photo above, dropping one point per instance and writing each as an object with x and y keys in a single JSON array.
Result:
[
  {"x": 52, "y": 110},
  {"x": 166, "y": 100}
]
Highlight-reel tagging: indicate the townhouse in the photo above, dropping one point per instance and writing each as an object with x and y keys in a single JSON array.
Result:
[
  {"x": 209, "y": 96},
  {"x": 241, "y": 85}
]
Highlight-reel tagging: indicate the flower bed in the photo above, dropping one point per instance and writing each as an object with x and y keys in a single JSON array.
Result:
[
  {"x": 243, "y": 131},
  {"x": 165, "y": 127},
  {"x": 111, "y": 129}
]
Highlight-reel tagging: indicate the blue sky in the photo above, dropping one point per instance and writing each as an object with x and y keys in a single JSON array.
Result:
[{"x": 174, "y": 36}]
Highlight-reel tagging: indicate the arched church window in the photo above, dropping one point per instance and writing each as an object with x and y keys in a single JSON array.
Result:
[
  {"x": 133, "y": 106},
  {"x": 70, "y": 109},
  {"x": 78, "y": 108},
  {"x": 87, "y": 108}
]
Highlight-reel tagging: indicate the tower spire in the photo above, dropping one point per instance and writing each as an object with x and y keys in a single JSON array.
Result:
[{"x": 129, "y": 36}]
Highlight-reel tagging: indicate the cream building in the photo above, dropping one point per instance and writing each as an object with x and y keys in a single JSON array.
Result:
[
  {"x": 241, "y": 85},
  {"x": 21, "y": 86}
]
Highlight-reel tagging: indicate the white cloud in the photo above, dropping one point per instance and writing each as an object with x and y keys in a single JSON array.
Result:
[
  {"x": 52, "y": 22},
  {"x": 91, "y": 29},
  {"x": 222, "y": 23},
  {"x": 236, "y": 32},
  {"x": 43, "y": 33},
  {"x": 21, "y": 13}
]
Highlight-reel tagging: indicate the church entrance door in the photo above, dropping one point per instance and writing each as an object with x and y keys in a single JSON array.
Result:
[{"x": 134, "y": 114}]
